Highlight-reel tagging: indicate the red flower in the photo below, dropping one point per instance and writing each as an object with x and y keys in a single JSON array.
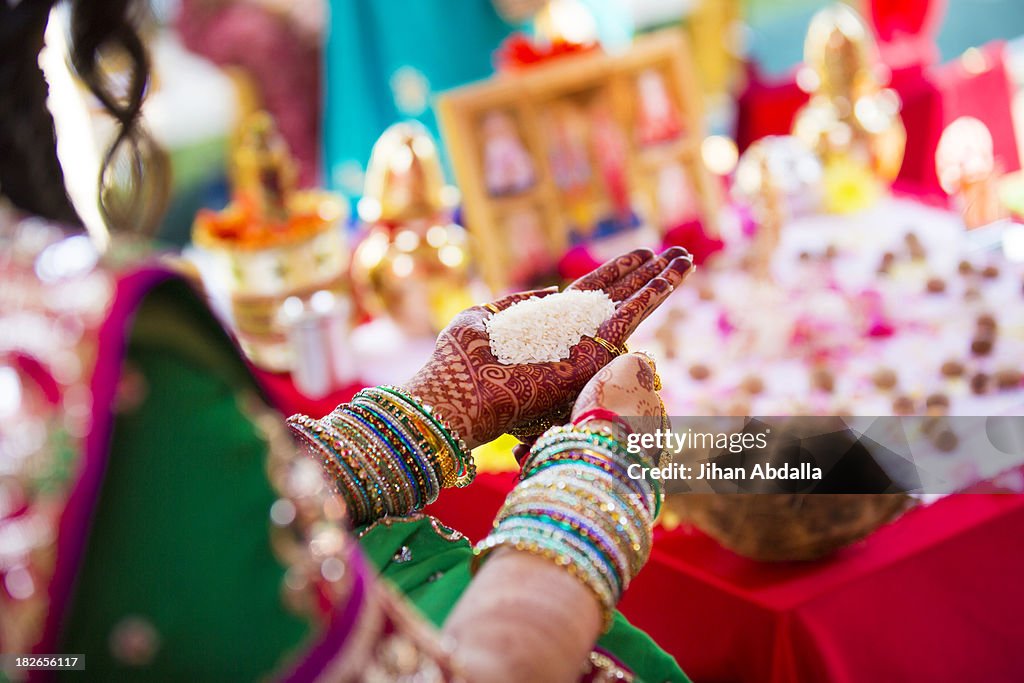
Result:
[
  {"x": 518, "y": 51},
  {"x": 692, "y": 237}
]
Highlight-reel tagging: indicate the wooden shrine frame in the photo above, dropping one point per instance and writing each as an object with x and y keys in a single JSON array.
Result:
[{"x": 610, "y": 79}]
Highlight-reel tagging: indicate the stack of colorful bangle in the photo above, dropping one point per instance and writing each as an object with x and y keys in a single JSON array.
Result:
[
  {"x": 578, "y": 506},
  {"x": 386, "y": 452}
]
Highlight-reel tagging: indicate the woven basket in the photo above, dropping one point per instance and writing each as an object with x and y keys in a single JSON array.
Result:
[
  {"x": 782, "y": 527},
  {"x": 778, "y": 525}
]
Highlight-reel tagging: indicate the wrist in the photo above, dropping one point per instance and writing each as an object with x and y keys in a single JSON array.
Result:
[
  {"x": 434, "y": 418},
  {"x": 444, "y": 408},
  {"x": 603, "y": 418},
  {"x": 581, "y": 511}
]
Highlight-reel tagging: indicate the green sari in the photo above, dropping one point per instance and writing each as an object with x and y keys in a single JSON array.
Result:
[{"x": 179, "y": 580}]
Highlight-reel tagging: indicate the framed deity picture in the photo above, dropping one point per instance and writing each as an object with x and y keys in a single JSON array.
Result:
[{"x": 577, "y": 149}]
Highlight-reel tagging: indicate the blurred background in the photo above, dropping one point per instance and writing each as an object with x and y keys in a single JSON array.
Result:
[
  {"x": 347, "y": 175},
  {"x": 341, "y": 74}
]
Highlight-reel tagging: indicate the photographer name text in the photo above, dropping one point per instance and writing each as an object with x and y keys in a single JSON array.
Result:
[{"x": 710, "y": 471}]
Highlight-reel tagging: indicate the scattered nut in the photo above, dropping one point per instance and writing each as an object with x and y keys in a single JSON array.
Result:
[
  {"x": 982, "y": 345},
  {"x": 914, "y": 246},
  {"x": 752, "y": 384},
  {"x": 884, "y": 378},
  {"x": 1008, "y": 378},
  {"x": 952, "y": 368},
  {"x": 987, "y": 322},
  {"x": 700, "y": 372},
  {"x": 903, "y": 405},
  {"x": 946, "y": 441},
  {"x": 937, "y": 404},
  {"x": 822, "y": 379}
]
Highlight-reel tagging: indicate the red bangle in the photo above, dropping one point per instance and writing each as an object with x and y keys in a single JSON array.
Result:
[{"x": 602, "y": 414}]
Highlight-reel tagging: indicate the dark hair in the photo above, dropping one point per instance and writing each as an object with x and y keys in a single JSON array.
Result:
[
  {"x": 134, "y": 170},
  {"x": 30, "y": 175}
]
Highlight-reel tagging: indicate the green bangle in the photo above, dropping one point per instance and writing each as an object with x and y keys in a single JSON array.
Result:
[{"x": 467, "y": 466}]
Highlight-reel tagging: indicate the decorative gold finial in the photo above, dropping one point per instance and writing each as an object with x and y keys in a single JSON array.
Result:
[
  {"x": 404, "y": 179},
  {"x": 411, "y": 264},
  {"x": 758, "y": 187},
  {"x": 264, "y": 170},
  {"x": 840, "y": 52}
]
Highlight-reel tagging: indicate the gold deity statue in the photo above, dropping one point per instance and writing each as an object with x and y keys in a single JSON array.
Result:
[{"x": 851, "y": 118}]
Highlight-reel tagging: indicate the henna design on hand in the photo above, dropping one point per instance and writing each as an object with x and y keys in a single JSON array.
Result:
[
  {"x": 645, "y": 377},
  {"x": 483, "y": 398},
  {"x": 624, "y": 386}
]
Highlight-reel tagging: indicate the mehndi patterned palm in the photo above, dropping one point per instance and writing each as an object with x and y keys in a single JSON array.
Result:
[{"x": 483, "y": 399}]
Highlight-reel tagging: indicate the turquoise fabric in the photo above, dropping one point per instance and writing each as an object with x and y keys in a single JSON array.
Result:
[{"x": 375, "y": 48}]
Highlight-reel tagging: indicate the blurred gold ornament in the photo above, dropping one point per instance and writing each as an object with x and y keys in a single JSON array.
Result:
[
  {"x": 850, "y": 116},
  {"x": 413, "y": 262},
  {"x": 778, "y": 178},
  {"x": 770, "y": 216},
  {"x": 785, "y": 163},
  {"x": 716, "y": 32},
  {"x": 404, "y": 179},
  {"x": 965, "y": 165},
  {"x": 565, "y": 21},
  {"x": 271, "y": 242}
]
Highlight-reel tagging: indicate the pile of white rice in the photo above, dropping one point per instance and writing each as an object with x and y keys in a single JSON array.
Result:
[{"x": 544, "y": 329}]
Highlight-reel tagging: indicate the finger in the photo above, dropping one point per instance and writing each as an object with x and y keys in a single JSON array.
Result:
[
  {"x": 506, "y": 301},
  {"x": 635, "y": 310},
  {"x": 678, "y": 270},
  {"x": 646, "y": 301},
  {"x": 604, "y": 276},
  {"x": 630, "y": 283}
]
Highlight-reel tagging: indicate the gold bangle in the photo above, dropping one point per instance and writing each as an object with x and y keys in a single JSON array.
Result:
[
  {"x": 609, "y": 347},
  {"x": 492, "y": 308},
  {"x": 537, "y": 426}
]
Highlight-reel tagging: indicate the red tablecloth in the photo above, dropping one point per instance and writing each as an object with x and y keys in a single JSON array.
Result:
[
  {"x": 936, "y": 596},
  {"x": 282, "y": 394}
]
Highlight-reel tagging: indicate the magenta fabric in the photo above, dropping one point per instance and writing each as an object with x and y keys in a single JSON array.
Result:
[
  {"x": 933, "y": 97},
  {"x": 73, "y": 532}
]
